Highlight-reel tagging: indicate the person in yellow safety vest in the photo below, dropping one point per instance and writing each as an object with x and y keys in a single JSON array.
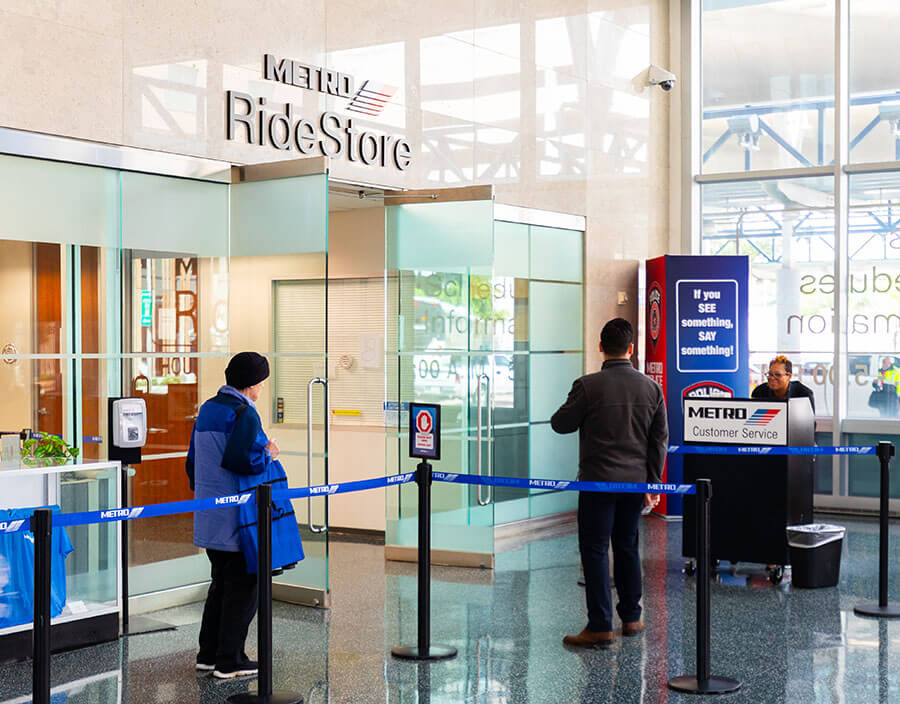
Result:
[{"x": 887, "y": 388}]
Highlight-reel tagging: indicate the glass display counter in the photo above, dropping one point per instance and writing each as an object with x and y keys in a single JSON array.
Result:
[{"x": 87, "y": 600}]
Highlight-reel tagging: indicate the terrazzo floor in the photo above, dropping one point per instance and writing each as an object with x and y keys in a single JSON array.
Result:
[{"x": 785, "y": 644}]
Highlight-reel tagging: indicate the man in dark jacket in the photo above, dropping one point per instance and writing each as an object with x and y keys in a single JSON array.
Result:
[
  {"x": 620, "y": 415},
  {"x": 227, "y": 441}
]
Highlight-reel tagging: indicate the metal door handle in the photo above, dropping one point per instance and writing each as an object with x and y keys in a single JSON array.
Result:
[
  {"x": 478, "y": 453},
  {"x": 42, "y": 411},
  {"x": 309, "y": 450}
]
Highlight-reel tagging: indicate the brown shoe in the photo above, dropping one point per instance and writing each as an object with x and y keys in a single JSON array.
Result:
[
  {"x": 590, "y": 639},
  {"x": 632, "y": 628}
]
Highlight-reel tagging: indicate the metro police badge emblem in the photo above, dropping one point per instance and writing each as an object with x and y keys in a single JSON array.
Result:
[
  {"x": 654, "y": 314},
  {"x": 708, "y": 389}
]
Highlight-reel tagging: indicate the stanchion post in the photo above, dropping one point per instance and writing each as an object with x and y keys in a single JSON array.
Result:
[
  {"x": 423, "y": 479},
  {"x": 42, "y": 529},
  {"x": 424, "y": 649},
  {"x": 264, "y": 693},
  {"x": 703, "y": 682},
  {"x": 882, "y": 609},
  {"x": 124, "y": 551}
]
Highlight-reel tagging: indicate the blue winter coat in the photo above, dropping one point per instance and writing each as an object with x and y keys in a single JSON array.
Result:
[{"x": 228, "y": 456}]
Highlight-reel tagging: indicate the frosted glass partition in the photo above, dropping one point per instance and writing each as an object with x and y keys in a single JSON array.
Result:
[
  {"x": 556, "y": 321},
  {"x": 43, "y": 201},
  {"x": 553, "y": 456},
  {"x": 511, "y": 250},
  {"x": 279, "y": 216},
  {"x": 556, "y": 255},
  {"x": 440, "y": 236},
  {"x": 550, "y": 379},
  {"x": 174, "y": 215}
]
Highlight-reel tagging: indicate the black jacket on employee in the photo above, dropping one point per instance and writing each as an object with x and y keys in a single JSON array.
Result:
[
  {"x": 621, "y": 418},
  {"x": 795, "y": 390}
]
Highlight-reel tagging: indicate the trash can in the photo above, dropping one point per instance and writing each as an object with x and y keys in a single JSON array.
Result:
[{"x": 815, "y": 554}]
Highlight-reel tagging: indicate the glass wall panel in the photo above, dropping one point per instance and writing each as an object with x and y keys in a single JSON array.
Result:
[
  {"x": 556, "y": 255},
  {"x": 787, "y": 230},
  {"x": 873, "y": 305},
  {"x": 278, "y": 278},
  {"x": 864, "y": 471},
  {"x": 768, "y": 102},
  {"x": 175, "y": 249},
  {"x": 442, "y": 256},
  {"x": 555, "y": 317},
  {"x": 45, "y": 201},
  {"x": 874, "y": 81},
  {"x": 768, "y": 84},
  {"x": 54, "y": 264}
]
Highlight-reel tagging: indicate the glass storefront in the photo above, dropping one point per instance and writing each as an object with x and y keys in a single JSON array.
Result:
[
  {"x": 143, "y": 284},
  {"x": 807, "y": 186}
]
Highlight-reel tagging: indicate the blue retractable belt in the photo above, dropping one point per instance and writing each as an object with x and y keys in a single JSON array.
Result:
[
  {"x": 768, "y": 450},
  {"x": 167, "y": 509},
  {"x": 562, "y": 485}
]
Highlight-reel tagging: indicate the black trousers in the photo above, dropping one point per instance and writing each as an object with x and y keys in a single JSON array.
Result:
[
  {"x": 229, "y": 609},
  {"x": 601, "y": 518}
]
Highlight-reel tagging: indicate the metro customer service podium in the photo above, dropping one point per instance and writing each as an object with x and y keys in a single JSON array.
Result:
[{"x": 754, "y": 496}]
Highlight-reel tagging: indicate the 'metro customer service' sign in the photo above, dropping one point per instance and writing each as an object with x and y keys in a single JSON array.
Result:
[
  {"x": 331, "y": 134},
  {"x": 735, "y": 422}
]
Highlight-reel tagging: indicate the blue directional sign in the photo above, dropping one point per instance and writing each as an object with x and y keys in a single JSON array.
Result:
[{"x": 425, "y": 431}]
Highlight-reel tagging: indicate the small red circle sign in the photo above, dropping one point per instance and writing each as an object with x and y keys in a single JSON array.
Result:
[{"x": 423, "y": 421}]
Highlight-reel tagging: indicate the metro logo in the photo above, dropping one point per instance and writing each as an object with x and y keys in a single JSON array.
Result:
[
  {"x": 398, "y": 478},
  {"x": 122, "y": 513},
  {"x": 327, "y": 489},
  {"x": 717, "y": 413},
  {"x": 763, "y": 416},
  {"x": 229, "y": 500},
  {"x": 11, "y": 526}
]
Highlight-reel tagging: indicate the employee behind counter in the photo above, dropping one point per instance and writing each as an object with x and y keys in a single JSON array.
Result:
[{"x": 779, "y": 385}]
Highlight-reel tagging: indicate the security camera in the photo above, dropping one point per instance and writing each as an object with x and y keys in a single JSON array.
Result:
[{"x": 654, "y": 76}]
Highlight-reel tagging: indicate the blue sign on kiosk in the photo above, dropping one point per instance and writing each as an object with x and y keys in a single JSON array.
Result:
[{"x": 425, "y": 431}]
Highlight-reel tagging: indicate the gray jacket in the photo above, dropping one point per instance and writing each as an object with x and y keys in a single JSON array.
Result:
[{"x": 620, "y": 415}]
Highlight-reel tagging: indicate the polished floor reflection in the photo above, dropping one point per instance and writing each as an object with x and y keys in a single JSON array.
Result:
[{"x": 784, "y": 644}]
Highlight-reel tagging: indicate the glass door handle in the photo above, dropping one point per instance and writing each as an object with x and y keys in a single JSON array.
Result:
[
  {"x": 478, "y": 454},
  {"x": 309, "y": 450}
]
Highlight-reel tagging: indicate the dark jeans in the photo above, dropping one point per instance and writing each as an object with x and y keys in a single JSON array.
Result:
[
  {"x": 230, "y": 607},
  {"x": 602, "y": 517}
]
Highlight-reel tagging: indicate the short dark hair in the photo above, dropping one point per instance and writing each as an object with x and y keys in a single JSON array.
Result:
[
  {"x": 781, "y": 359},
  {"x": 616, "y": 336}
]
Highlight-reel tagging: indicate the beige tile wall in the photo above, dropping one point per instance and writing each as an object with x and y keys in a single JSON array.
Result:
[{"x": 534, "y": 96}]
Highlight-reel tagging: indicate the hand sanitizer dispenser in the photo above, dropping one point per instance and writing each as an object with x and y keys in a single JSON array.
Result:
[{"x": 129, "y": 422}]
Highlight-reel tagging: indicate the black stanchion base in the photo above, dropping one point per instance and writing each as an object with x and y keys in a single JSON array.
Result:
[
  {"x": 714, "y": 685},
  {"x": 435, "y": 652},
  {"x": 876, "y": 611},
  {"x": 274, "y": 698}
]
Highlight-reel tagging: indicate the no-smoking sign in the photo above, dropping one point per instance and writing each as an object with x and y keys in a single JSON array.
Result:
[{"x": 424, "y": 431}]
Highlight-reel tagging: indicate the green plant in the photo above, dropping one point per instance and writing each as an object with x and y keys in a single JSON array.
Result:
[{"x": 48, "y": 449}]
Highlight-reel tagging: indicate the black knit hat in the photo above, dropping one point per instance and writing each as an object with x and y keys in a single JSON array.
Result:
[{"x": 246, "y": 369}]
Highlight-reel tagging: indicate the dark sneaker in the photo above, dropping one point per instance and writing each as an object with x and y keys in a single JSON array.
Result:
[
  {"x": 205, "y": 666},
  {"x": 245, "y": 668}
]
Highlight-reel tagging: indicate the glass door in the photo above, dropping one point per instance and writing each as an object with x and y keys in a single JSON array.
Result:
[
  {"x": 485, "y": 317},
  {"x": 440, "y": 314},
  {"x": 279, "y": 269}
]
